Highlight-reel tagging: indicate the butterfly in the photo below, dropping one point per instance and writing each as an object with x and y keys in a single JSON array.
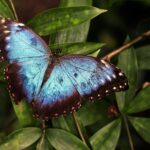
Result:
[{"x": 55, "y": 85}]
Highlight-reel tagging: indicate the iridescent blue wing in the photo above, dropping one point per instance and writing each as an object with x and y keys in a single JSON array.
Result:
[
  {"x": 27, "y": 55},
  {"x": 74, "y": 78}
]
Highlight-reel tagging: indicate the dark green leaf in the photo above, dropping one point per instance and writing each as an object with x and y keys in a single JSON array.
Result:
[
  {"x": 66, "y": 123},
  {"x": 43, "y": 144},
  {"x": 143, "y": 57},
  {"x": 95, "y": 111},
  {"x": 68, "y": 3},
  {"x": 5, "y": 11},
  {"x": 59, "y": 18},
  {"x": 21, "y": 139},
  {"x": 107, "y": 137},
  {"x": 127, "y": 61},
  {"x": 24, "y": 114},
  {"x": 76, "y": 33},
  {"x": 142, "y": 126},
  {"x": 62, "y": 140},
  {"x": 141, "y": 102},
  {"x": 78, "y": 48}
]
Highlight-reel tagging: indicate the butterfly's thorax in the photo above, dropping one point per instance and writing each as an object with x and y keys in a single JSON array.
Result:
[{"x": 53, "y": 60}]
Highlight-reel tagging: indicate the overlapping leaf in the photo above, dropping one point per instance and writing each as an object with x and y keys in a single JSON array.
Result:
[
  {"x": 21, "y": 139},
  {"x": 142, "y": 126},
  {"x": 107, "y": 137},
  {"x": 56, "y": 19},
  {"x": 127, "y": 61},
  {"x": 63, "y": 140},
  {"x": 141, "y": 102},
  {"x": 5, "y": 11}
]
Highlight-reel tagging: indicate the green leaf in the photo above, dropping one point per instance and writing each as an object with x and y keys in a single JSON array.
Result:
[
  {"x": 143, "y": 57},
  {"x": 68, "y": 3},
  {"x": 78, "y": 48},
  {"x": 56, "y": 19},
  {"x": 66, "y": 123},
  {"x": 21, "y": 139},
  {"x": 127, "y": 61},
  {"x": 141, "y": 102},
  {"x": 24, "y": 114},
  {"x": 43, "y": 144},
  {"x": 5, "y": 11},
  {"x": 142, "y": 126},
  {"x": 95, "y": 111},
  {"x": 107, "y": 137},
  {"x": 76, "y": 33},
  {"x": 63, "y": 140}
]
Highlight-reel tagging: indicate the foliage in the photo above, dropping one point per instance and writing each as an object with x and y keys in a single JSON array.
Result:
[{"x": 68, "y": 28}]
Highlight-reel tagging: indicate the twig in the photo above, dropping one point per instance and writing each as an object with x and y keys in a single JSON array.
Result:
[
  {"x": 78, "y": 127},
  {"x": 117, "y": 51},
  {"x": 128, "y": 132},
  {"x": 14, "y": 10}
]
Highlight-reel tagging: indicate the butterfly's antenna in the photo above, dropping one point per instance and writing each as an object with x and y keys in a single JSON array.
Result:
[{"x": 14, "y": 10}]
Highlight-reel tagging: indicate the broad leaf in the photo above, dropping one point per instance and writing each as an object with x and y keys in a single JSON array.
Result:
[
  {"x": 84, "y": 48},
  {"x": 43, "y": 144},
  {"x": 66, "y": 123},
  {"x": 56, "y": 19},
  {"x": 62, "y": 140},
  {"x": 5, "y": 11},
  {"x": 141, "y": 102},
  {"x": 24, "y": 114},
  {"x": 143, "y": 57},
  {"x": 142, "y": 126},
  {"x": 95, "y": 111},
  {"x": 21, "y": 139},
  {"x": 107, "y": 137},
  {"x": 76, "y": 33},
  {"x": 127, "y": 61}
]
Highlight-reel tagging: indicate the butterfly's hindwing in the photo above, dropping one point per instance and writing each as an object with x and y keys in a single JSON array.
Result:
[{"x": 75, "y": 78}]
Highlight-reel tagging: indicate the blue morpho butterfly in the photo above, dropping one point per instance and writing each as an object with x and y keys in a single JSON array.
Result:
[{"x": 54, "y": 85}]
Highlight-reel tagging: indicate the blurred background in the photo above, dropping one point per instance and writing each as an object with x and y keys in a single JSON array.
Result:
[{"x": 124, "y": 18}]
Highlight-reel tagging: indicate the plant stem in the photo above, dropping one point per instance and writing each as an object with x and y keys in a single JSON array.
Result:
[
  {"x": 78, "y": 127},
  {"x": 43, "y": 126},
  {"x": 13, "y": 8},
  {"x": 117, "y": 51},
  {"x": 128, "y": 132}
]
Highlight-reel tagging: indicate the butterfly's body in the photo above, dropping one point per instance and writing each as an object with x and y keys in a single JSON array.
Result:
[{"x": 54, "y": 84}]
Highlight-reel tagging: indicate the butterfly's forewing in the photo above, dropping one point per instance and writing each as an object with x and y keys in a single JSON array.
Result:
[
  {"x": 27, "y": 55},
  {"x": 75, "y": 78}
]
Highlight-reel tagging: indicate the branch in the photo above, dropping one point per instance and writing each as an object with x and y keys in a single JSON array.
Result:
[{"x": 117, "y": 51}]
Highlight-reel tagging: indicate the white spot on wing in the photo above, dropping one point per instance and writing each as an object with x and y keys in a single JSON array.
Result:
[
  {"x": 120, "y": 86},
  {"x": 108, "y": 77},
  {"x": 106, "y": 91},
  {"x": 114, "y": 76},
  {"x": 7, "y": 38},
  {"x": 6, "y": 31},
  {"x": 103, "y": 81},
  {"x": 114, "y": 88},
  {"x": 3, "y": 20},
  {"x": 21, "y": 24},
  {"x": 120, "y": 74}
]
